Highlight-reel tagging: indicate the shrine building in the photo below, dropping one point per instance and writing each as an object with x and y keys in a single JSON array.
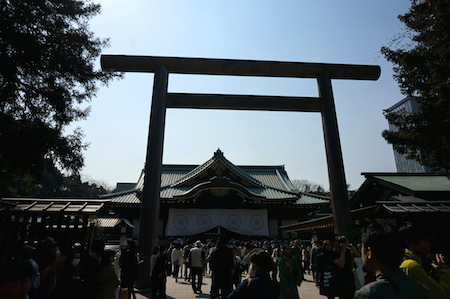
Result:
[
  {"x": 217, "y": 197},
  {"x": 197, "y": 201}
]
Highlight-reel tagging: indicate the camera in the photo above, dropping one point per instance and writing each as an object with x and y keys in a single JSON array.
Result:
[{"x": 342, "y": 240}]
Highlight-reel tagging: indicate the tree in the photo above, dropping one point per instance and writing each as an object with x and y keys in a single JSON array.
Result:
[
  {"x": 302, "y": 185},
  {"x": 306, "y": 186},
  {"x": 47, "y": 75},
  {"x": 53, "y": 184},
  {"x": 422, "y": 70}
]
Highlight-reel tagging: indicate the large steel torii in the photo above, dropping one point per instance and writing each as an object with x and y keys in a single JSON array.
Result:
[{"x": 161, "y": 100}]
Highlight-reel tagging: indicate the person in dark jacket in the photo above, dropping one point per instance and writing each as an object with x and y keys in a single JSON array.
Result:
[
  {"x": 315, "y": 251},
  {"x": 221, "y": 263},
  {"x": 15, "y": 279},
  {"x": 291, "y": 274},
  {"x": 89, "y": 270},
  {"x": 159, "y": 274},
  {"x": 108, "y": 280},
  {"x": 129, "y": 267},
  {"x": 258, "y": 285},
  {"x": 342, "y": 256},
  {"x": 327, "y": 270},
  {"x": 68, "y": 279},
  {"x": 382, "y": 253}
]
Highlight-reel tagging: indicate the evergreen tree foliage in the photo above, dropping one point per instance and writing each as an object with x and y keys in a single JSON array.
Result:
[
  {"x": 421, "y": 58},
  {"x": 47, "y": 76}
]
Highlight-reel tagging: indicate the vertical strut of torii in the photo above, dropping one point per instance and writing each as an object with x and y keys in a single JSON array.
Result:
[{"x": 161, "y": 100}]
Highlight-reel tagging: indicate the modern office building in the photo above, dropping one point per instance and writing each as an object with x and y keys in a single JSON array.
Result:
[{"x": 404, "y": 165}]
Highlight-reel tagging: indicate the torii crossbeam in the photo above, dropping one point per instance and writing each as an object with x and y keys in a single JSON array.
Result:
[{"x": 161, "y": 100}]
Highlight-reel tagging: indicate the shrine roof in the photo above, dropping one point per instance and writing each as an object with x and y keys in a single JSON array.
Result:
[
  {"x": 267, "y": 182},
  {"x": 417, "y": 182},
  {"x": 312, "y": 199},
  {"x": 112, "y": 221},
  {"x": 55, "y": 205}
]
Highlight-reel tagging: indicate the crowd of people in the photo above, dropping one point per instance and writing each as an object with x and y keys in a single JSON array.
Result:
[
  {"x": 46, "y": 270},
  {"x": 386, "y": 263},
  {"x": 227, "y": 262}
]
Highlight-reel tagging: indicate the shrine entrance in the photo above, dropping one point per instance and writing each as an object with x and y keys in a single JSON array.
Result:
[{"x": 161, "y": 100}]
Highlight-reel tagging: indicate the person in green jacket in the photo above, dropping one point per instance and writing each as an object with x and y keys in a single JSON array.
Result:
[
  {"x": 291, "y": 275},
  {"x": 418, "y": 247}
]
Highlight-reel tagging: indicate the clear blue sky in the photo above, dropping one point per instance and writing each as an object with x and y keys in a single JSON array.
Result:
[{"x": 327, "y": 31}]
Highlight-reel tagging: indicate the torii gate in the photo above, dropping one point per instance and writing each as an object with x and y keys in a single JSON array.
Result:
[{"x": 161, "y": 100}]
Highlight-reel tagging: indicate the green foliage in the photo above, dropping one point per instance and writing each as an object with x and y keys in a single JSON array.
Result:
[
  {"x": 47, "y": 75},
  {"x": 422, "y": 70},
  {"x": 51, "y": 183}
]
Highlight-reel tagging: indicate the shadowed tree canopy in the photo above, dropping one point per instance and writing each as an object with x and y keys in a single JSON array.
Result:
[
  {"x": 47, "y": 75},
  {"x": 421, "y": 58}
]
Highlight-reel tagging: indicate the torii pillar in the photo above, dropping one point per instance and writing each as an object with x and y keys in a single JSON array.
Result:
[{"x": 162, "y": 66}]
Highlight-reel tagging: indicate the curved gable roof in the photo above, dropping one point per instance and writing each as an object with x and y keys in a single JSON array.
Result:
[
  {"x": 216, "y": 162},
  {"x": 266, "y": 182},
  {"x": 221, "y": 183}
]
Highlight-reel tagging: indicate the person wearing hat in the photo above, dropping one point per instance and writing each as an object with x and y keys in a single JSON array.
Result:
[{"x": 196, "y": 259}]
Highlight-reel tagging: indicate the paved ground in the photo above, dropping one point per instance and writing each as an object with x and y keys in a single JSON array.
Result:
[{"x": 183, "y": 290}]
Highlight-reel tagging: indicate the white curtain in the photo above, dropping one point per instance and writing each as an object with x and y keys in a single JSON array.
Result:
[{"x": 186, "y": 222}]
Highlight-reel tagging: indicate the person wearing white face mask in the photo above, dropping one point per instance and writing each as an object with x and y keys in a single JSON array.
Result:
[
  {"x": 76, "y": 259},
  {"x": 67, "y": 274}
]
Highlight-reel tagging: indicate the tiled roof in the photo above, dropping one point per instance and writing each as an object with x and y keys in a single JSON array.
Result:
[
  {"x": 393, "y": 207},
  {"x": 326, "y": 222},
  {"x": 271, "y": 176},
  {"x": 218, "y": 156},
  {"x": 270, "y": 182},
  {"x": 127, "y": 198},
  {"x": 400, "y": 186},
  {"x": 267, "y": 182},
  {"x": 56, "y": 205},
  {"x": 312, "y": 199},
  {"x": 172, "y": 192},
  {"x": 416, "y": 207},
  {"x": 270, "y": 193},
  {"x": 174, "y": 173},
  {"x": 108, "y": 222},
  {"x": 418, "y": 182},
  {"x": 112, "y": 221}
]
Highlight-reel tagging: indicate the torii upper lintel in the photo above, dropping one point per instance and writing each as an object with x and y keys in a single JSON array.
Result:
[{"x": 234, "y": 67}]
